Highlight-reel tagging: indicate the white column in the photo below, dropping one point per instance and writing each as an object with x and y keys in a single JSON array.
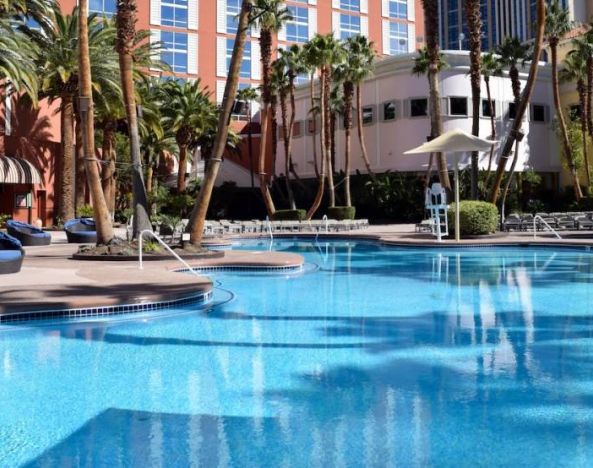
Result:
[
  {"x": 255, "y": 61},
  {"x": 221, "y": 56},
  {"x": 192, "y": 54},
  {"x": 386, "y": 33},
  {"x": 221, "y": 16},
  {"x": 155, "y": 12},
  {"x": 312, "y": 22},
  {"x": 192, "y": 15}
]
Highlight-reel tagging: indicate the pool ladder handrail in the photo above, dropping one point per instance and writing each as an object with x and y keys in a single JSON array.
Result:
[
  {"x": 535, "y": 218},
  {"x": 270, "y": 231},
  {"x": 164, "y": 244}
]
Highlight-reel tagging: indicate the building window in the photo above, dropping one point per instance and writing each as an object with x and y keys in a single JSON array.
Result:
[
  {"x": 398, "y": 9},
  {"x": 245, "y": 63},
  {"x": 350, "y": 5},
  {"x": 538, "y": 113},
  {"x": 486, "y": 108},
  {"x": 297, "y": 130},
  {"x": 418, "y": 107},
  {"x": 512, "y": 110},
  {"x": 457, "y": 106},
  {"x": 102, "y": 7},
  {"x": 297, "y": 30},
  {"x": 398, "y": 38},
  {"x": 175, "y": 50},
  {"x": 349, "y": 26},
  {"x": 389, "y": 111},
  {"x": 313, "y": 126},
  {"x": 368, "y": 115},
  {"x": 233, "y": 8},
  {"x": 174, "y": 13}
]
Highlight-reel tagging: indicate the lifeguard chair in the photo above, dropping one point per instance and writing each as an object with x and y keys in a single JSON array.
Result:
[{"x": 435, "y": 201}]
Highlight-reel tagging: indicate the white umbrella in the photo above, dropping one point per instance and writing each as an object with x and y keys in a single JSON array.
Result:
[{"x": 456, "y": 142}]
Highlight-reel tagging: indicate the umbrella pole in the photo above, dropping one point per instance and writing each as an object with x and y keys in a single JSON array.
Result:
[{"x": 457, "y": 234}]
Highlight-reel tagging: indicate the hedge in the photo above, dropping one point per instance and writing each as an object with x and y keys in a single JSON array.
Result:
[
  {"x": 289, "y": 215},
  {"x": 341, "y": 212},
  {"x": 475, "y": 218}
]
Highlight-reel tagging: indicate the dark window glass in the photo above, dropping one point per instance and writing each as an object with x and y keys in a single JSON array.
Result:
[
  {"x": 367, "y": 115},
  {"x": 512, "y": 110},
  {"x": 458, "y": 106},
  {"x": 389, "y": 111},
  {"x": 419, "y": 107},
  {"x": 486, "y": 108},
  {"x": 539, "y": 113}
]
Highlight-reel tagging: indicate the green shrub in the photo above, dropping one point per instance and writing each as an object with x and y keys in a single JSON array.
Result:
[
  {"x": 3, "y": 219},
  {"x": 85, "y": 211},
  {"x": 475, "y": 218},
  {"x": 341, "y": 212},
  {"x": 290, "y": 215}
]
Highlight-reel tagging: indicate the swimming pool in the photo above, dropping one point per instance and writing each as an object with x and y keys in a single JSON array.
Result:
[{"x": 377, "y": 356}]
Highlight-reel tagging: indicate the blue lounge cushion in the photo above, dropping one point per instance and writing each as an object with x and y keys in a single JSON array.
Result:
[
  {"x": 10, "y": 255},
  {"x": 85, "y": 224},
  {"x": 7, "y": 242},
  {"x": 27, "y": 228}
]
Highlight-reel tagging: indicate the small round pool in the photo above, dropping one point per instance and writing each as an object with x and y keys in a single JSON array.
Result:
[{"x": 370, "y": 356}]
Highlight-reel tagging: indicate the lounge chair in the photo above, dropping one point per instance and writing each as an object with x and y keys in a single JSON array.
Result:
[
  {"x": 512, "y": 223},
  {"x": 583, "y": 222},
  {"x": 81, "y": 231},
  {"x": 27, "y": 234},
  {"x": 11, "y": 254}
]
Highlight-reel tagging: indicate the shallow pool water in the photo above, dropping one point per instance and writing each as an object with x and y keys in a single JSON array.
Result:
[{"x": 374, "y": 356}]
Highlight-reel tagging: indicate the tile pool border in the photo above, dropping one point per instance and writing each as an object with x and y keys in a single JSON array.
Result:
[{"x": 202, "y": 297}]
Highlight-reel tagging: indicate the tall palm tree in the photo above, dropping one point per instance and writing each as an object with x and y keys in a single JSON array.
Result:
[
  {"x": 17, "y": 61},
  {"x": 515, "y": 130},
  {"x": 198, "y": 215},
  {"x": 311, "y": 69},
  {"x": 490, "y": 67},
  {"x": 126, "y": 32},
  {"x": 421, "y": 67},
  {"x": 104, "y": 227},
  {"x": 431, "y": 27},
  {"x": 575, "y": 71},
  {"x": 189, "y": 112},
  {"x": 249, "y": 95},
  {"x": 269, "y": 16},
  {"x": 557, "y": 25},
  {"x": 361, "y": 55},
  {"x": 584, "y": 46},
  {"x": 512, "y": 53},
  {"x": 474, "y": 24}
]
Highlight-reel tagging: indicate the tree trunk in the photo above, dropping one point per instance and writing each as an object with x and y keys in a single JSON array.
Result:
[
  {"x": 286, "y": 141},
  {"x": 80, "y": 183},
  {"x": 327, "y": 138},
  {"x": 509, "y": 180},
  {"x": 66, "y": 211},
  {"x": 101, "y": 213},
  {"x": 181, "y": 185},
  {"x": 492, "y": 126},
  {"x": 431, "y": 27},
  {"x": 250, "y": 145},
  {"x": 348, "y": 99},
  {"x": 321, "y": 185},
  {"x": 360, "y": 130},
  {"x": 126, "y": 32},
  {"x": 589, "y": 102},
  {"x": 314, "y": 135},
  {"x": 198, "y": 215},
  {"x": 474, "y": 22},
  {"x": 582, "y": 91},
  {"x": 108, "y": 169},
  {"x": 562, "y": 122},
  {"x": 515, "y": 131}
]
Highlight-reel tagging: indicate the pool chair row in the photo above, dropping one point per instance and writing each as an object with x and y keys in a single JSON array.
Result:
[
  {"x": 263, "y": 227},
  {"x": 578, "y": 221}
]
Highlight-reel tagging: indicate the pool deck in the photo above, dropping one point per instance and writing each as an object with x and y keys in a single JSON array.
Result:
[{"x": 51, "y": 280}]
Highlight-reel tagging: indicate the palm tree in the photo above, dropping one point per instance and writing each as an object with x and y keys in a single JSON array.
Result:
[
  {"x": 431, "y": 27},
  {"x": 515, "y": 130},
  {"x": 189, "y": 112},
  {"x": 17, "y": 61},
  {"x": 490, "y": 67},
  {"x": 511, "y": 54},
  {"x": 557, "y": 25},
  {"x": 361, "y": 55},
  {"x": 269, "y": 16},
  {"x": 474, "y": 23},
  {"x": 584, "y": 46},
  {"x": 347, "y": 77},
  {"x": 104, "y": 227},
  {"x": 575, "y": 70},
  {"x": 126, "y": 32},
  {"x": 421, "y": 67},
  {"x": 198, "y": 215},
  {"x": 249, "y": 95},
  {"x": 311, "y": 69}
]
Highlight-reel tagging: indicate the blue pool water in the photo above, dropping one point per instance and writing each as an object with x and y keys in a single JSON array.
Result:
[{"x": 373, "y": 356}]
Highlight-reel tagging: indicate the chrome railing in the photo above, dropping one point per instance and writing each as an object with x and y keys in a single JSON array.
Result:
[
  {"x": 163, "y": 243},
  {"x": 550, "y": 228}
]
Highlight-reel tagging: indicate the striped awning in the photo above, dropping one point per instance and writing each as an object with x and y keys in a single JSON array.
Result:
[{"x": 18, "y": 171}]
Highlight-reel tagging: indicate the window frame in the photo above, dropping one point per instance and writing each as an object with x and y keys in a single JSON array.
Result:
[
  {"x": 174, "y": 23},
  {"x": 384, "y": 104},
  {"x": 175, "y": 52},
  {"x": 485, "y": 106},
  {"x": 411, "y": 100},
  {"x": 457, "y": 99}
]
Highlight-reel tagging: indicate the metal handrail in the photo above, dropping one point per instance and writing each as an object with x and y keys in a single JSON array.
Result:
[
  {"x": 162, "y": 242},
  {"x": 326, "y": 222},
  {"x": 535, "y": 218}
]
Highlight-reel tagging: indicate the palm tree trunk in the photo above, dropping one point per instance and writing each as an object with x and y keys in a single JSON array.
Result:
[
  {"x": 80, "y": 183},
  {"x": 286, "y": 141},
  {"x": 509, "y": 179},
  {"x": 589, "y": 102},
  {"x": 562, "y": 122},
  {"x": 582, "y": 92},
  {"x": 250, "y": 145},
  {"x": 126, "y": 32},
  {"x": 474, "y": 21},
  {"x": 108, "y": 172},
  {"x": 321, "y": 185},
  {"x": 314, "y": 135},
  {"x": 348, "y": 98},
  {"x": 291, "y": 130},
  {"x": 66, "y": 211},
  {"x": 493, "y": 128},
  {"x": 181, "y": 185},
  {"x": 360, "y": 130},
  {"x": 327, "y": 139},
  {"x": 515, "y": 131},
  {"x": 149, "y": 176},
  {"x": 198, "y": 215},
  {"x": 101, "y": 213}
]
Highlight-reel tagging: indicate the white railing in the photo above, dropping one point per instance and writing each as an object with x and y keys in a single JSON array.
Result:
[
  {"x": 550, "y": 228},
  {"x": 326, "y": 222},
  {"x": 162, "y": 242}
]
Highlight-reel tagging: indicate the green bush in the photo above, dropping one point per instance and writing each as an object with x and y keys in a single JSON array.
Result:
[
  {"x": 85, "y": 211},
  {"x": 475, "y": 218},
  {"x": 3, "y": 219},
  {"x": 341, "y": 212},
  {"x": 290, "y": 215}
]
